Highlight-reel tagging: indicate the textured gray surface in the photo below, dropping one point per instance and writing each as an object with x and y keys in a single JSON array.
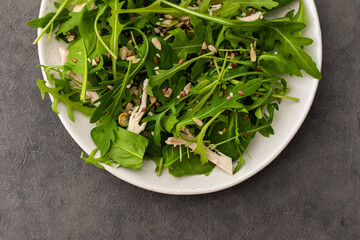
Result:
[{"x": 311, "y": 191}]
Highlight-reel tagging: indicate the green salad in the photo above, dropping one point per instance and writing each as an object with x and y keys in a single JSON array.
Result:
[{"x": 185, "y": 83}]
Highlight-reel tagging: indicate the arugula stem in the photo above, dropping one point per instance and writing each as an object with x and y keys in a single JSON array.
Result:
[
  {"x": 136, "y": 46},
  {"x": 265, "y": 98},
  {"x": 220, "y": 143},
  {"x": 58, "y": 12},
  {"x": 219, "y": 20},
  {"x": 280, "y": 96},
  {"x": 241, "y": 75},
  {"x": 85, "y": 75},
  {"x": 100, "y": 13}
]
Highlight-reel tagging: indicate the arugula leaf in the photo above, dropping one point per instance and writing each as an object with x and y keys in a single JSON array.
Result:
[
  {"x": 128, "y": 149},
  {"x": 200, "y": 148},
  {"x": 291, "y": 46},
  {"x": 272, "y": 64},
  {"x": 218, "y": 104},
  {"x": 96, "y": 161},
  {"x": 182, "y": 45},
  {"x": 116, "y": 30},
  {"x": 65, "y": 98},
  {"x": 151, "y": 9},
  {"x": 58, "y": 12},
  {"x": 157, "y": 80},
  {"x": 42, "y": 22},
  {"x": 258, "y": 4},
  {"x": 190, "y": 166}
]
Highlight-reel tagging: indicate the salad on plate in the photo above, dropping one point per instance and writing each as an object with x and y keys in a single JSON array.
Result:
[{"x": 185, "y": 83}]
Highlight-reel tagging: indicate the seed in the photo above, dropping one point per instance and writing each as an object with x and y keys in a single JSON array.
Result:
[
  {"x": 132, "y": 58},
  {"x": 234, "y": 65},
  {"x": 157, "y": 104},
  {"x": 181, "y": 61},
  {"x": 204, "y": 46},
  {"x": 109, "y": 55},
  {"x": 168, "y": 93},
  {"x": 184, "y": 18},
  {"x": 258, "y": 68},
  {"x": 246, "y": 117},
  {"x": 229, "y": 97},
  {"x": 97, "y": 59},
  {"x": 156, "y": 43},
  {"x": 212, "y": 48},
  {"x": 152, "y": 99},
  {"x": 158, "y": 55},
  {"x": 241, "y": 93},
  {"x": 156, "y": 60},
  {"x": 156, "y": 68},
  {"x": 143, "y": 109},
  {"x": 256, "y": 95},
  {"x": 74, "y": 60},
  {"x": 164, "y": 89},
  {"x": 94, "y": 63},
  {"x": 70, "y": 38},
  {"x": 252, "y": 55},
  {"x": 145, "y": 134},
  {"x": 157, "y": 30},
  {"x": 201, "y": 52},
  {"x": 198, "y": 122},
  {"x": 157, "y": 72},
  {"x": 169, "y": 17},
  {"x": 137, "y": 101},
  {"x": 220, "y": 132},
  {"x": 254, "y": 10},
  {"x": 248, "y": 12},
  {"x": 131, "y": 53},
  {"x": 217, "y": 14},
  {"x": 128, "y": 107},
  {"x": 245, "y": 134},
  {"x": 132, "y": 19},
  {"x": 124, "y": 119}
]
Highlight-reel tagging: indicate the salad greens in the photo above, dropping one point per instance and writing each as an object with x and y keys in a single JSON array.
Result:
[{"x": 186, "y": 83}]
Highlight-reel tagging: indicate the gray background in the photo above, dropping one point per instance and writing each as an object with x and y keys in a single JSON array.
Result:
[{"x": 311, "y": 191}]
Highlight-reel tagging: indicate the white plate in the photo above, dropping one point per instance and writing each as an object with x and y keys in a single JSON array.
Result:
[{"x": 262, "y": 150}]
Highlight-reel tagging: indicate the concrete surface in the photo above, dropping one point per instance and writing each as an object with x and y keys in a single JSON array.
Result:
[{"x": 311, "y": 191}]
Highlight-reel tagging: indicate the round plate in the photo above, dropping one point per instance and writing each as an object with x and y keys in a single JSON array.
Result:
[{"x": 262, "y": 150}]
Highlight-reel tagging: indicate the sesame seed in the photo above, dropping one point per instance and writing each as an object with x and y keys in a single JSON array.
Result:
[
  {"x": 74, "y": 60},
  {"x": 241, "y": 93},
  {"x": 246, "y": 117},
  {"x": 181, "y": 61},
  {"x": 229, "y": 97}
]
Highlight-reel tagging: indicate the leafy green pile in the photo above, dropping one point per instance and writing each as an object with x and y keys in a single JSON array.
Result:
[{"x": 212, "y": 70}]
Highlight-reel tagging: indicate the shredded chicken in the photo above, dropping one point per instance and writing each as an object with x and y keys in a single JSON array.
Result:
[
  {"x": 93, "y": 96},
  {"x": 251, "y": 17},
  {"x": 64, "y": 52},
  {"x": 138, "y": 113},
  {"x": 214, "y": 156}
]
